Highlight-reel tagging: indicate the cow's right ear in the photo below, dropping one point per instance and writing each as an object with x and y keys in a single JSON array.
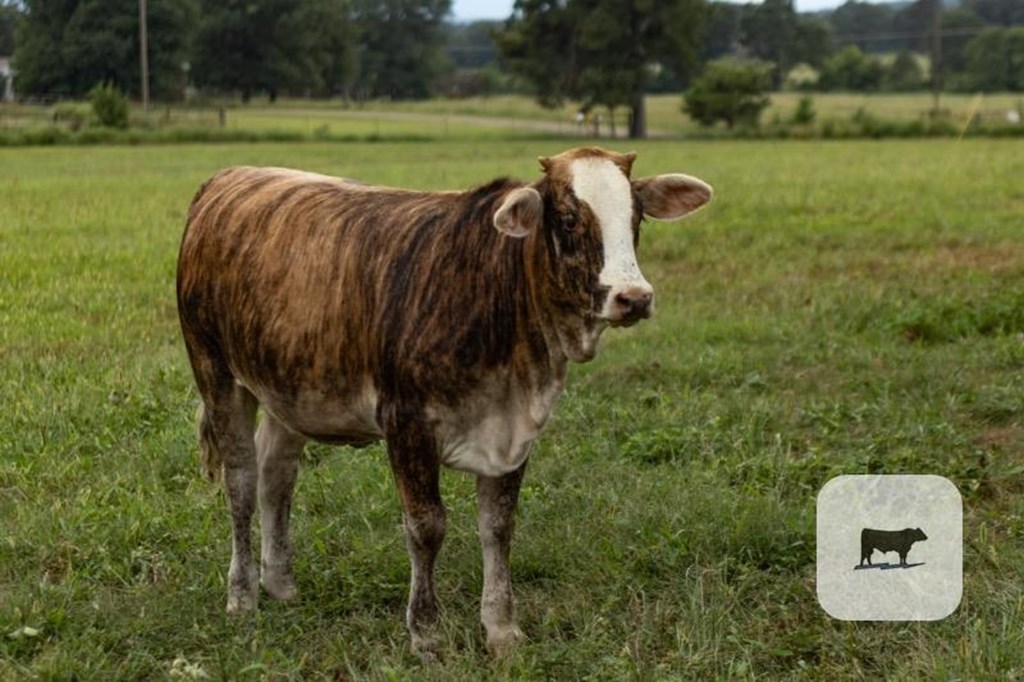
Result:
[{"x": 519, "y": 213}]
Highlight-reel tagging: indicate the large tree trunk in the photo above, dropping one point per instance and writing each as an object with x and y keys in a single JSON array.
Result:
[{"x": 638, "y": 116}]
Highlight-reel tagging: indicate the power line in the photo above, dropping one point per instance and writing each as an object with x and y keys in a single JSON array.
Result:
[{"x": 904, "y": 35}]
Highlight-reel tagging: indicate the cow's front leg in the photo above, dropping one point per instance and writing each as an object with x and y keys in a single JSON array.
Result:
[
  {"x": 417, "y": 472},
  {"x": 496, "y": 508},
  {"x": 278, "y": 449}
]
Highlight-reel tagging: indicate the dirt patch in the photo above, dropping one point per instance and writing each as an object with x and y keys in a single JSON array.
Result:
[
  {"x": 1009, "y": 437},
  {"x": 990, "y": 258}
]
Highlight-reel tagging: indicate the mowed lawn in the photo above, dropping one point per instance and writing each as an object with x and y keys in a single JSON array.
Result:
[{"x": 840, "y": 308}]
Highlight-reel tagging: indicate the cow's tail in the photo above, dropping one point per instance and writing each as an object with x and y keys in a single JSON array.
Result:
[{"x": 209, "y": 456}]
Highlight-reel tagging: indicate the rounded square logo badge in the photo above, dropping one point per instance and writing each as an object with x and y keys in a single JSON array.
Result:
[{"x": 890, "y": 547}]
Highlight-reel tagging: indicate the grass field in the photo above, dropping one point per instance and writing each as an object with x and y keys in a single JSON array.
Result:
[
  {"x": 502, "y": 116},
  {"x": 840, "y": 308},
  {"x": 441, "y": 118}
]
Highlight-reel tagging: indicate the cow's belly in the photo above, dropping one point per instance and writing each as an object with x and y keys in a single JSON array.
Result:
[{"x": 340, "y": 420}]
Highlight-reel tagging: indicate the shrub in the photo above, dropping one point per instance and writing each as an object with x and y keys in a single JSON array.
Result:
[
  {"x": 804, "y": 114},
  {"x": 109, "y": 105},
  {"x": 730, "y": 90}
]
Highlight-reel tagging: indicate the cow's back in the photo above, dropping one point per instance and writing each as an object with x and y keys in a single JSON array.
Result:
[
  {"x": 309, "y": 285},
  {"x": 266, "y": 265}
]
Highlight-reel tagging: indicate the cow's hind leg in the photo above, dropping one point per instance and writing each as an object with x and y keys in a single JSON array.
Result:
[
  {"x": 417, "y": 473},
  {"x": 226, "y": 430},
  {"x": 278, "y": 449},
  {"x": 496, "y": 507}
]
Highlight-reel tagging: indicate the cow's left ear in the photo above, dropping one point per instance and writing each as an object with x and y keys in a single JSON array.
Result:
[
  {"x": 519, "y": 213},
  {"x": 671, "y": 196}
]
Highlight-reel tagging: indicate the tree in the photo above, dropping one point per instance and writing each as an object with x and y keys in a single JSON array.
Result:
[
  {"x": 10, "y": 14},
  {"x": 721, "y": 32},
  {"x": 1000, "y": 12},
  {"x": 959, "y": 25},
  {"x": 600, "y": 52},
  {"x": 995, "y": 60},
  {"x": 248, "y": 45},
  {"x": 326, "y": 62},
  {"x": 401, "y": 46},
  {"x": 770, "y": 32},
  {"x": 537, "y": 44},
  {"x": 730, "y": 90},
  {"x": 915, "y": 21},
  {"x": 66, "y": 47},
  {"x": 813, "y": 42},
  {"x": 851, "y": 69},
  {"x": 471, "y": 46},
  {"x": 859, "y": 23},
  {"x": 774, "y": 32},
  {"x": 905, "y": 73}
]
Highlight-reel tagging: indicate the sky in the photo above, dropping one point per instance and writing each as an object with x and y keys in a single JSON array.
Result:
[{"x": 469, "y": 10}]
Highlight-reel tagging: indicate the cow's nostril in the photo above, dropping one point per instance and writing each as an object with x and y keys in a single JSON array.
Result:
[{"x": 634, "y": 303}]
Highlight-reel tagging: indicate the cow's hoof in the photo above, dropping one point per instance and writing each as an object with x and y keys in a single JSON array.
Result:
[
  {"x": 427, "y": 647},
  {"x": 241, "y": 602},
  {"x": 242, "y": 589},
  {"x": 279, "y": 585},
  {"x": 501, "y": 641}
]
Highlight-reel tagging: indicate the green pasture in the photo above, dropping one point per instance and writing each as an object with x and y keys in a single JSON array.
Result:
[
  {"x": 447, "y": 118},
  {"x": 840, "y": 308},
  {"x": 503, "y": 116}
]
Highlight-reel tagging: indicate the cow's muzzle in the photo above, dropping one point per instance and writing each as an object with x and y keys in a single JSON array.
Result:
[{"x": 631, "y": 305}]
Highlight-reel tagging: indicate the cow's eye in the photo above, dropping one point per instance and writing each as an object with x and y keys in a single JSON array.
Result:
[{"x": 569, "y": 222}]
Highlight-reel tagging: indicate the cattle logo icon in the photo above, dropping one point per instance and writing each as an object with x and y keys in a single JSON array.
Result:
[
  {"x": 898, "y": 541},
  {"x": 874, "y": 518}
]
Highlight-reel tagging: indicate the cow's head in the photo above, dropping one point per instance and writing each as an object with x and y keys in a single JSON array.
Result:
[{"x": 586, "y": 211}]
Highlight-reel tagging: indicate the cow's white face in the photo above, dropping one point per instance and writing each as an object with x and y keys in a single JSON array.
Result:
[{"x": 602, "y": 185}]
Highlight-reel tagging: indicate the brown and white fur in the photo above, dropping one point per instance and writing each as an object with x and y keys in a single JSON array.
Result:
[{"x": 440, "y": 322}]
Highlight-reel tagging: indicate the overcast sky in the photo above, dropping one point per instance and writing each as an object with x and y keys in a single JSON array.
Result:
[{"x": 468, "y": 10}]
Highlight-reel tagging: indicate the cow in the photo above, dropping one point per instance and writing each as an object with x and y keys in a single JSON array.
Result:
[
  {"x": 898, "y": 541},
  {"x": 439, "y": 322}
]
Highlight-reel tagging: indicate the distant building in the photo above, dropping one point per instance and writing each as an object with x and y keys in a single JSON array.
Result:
[{"x": 6, "y": 80}]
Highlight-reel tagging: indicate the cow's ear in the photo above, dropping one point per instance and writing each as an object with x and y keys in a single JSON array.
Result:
[
  {"x": 671, "y": 196},
  {"x": 519, "y": 213}
]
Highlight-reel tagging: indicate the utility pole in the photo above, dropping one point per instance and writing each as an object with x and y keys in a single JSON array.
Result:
[
  {"x": 144, "y": 54},
  {"x": 936, "y": 56}
]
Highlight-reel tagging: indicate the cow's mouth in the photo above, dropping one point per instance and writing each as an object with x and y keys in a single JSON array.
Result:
[{"x": 627, "y": 322}]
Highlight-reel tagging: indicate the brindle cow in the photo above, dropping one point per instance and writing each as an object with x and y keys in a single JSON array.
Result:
[{"x": 440, "y": 322}]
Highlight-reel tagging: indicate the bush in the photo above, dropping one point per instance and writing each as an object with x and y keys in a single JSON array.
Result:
[
  {"x": 804, "y": 114},
  {"x": 109, "y": 105},
  {"x": 730, "y": 90}
]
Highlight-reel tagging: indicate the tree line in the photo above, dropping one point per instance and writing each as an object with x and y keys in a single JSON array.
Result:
[
  {"x": 965, "y": 44},
  {"x": 598, "y": 53},
  {"x": 318, "y": 48}
]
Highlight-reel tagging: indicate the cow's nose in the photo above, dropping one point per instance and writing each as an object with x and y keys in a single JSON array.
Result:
[{"x": 634, "y": 304}]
